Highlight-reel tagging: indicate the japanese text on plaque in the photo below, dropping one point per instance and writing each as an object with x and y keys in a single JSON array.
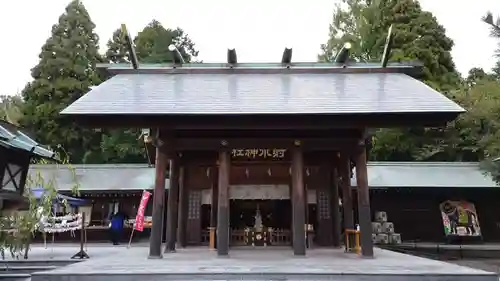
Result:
[{"x": 275, "y": 153}]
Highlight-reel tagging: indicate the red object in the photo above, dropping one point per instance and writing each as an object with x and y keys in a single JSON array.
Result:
[{"x": 139, "y": 219}]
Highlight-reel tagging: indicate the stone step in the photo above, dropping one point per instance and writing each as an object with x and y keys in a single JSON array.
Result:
[
  {"x": 15, "y": 276},
  {"x": 25, "y": 268},
  {"x": 124, "y": 276},
  {"x": 47, "y": 262}
]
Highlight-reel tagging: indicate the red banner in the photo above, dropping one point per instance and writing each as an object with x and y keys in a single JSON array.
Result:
[{"x": 139, "y": 219}]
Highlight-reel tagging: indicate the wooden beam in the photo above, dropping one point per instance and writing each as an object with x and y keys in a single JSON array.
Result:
[
  {"x": 308, "y": 144},
  {"x": 173, "y": 205},
  {"x": 345, "y": 182},
  {"x": 223, "y": 203},
  {"x": 388, "y": 47},
  {"x": 213, "y": 208},
  {"x": 364, "y": 212},
  {"x": 130, "y": 46},
  {"x": 342, "y": 56},
  {"x": 183, "y": 208},
  {"x": 265, "y": 122},
  {"x": 231, "y": 57},
  {"x": 158, "y": 206},
  {"x": 287, "y": 56},
  {"x": 298, "y": 202},
  {"x": 334, "y": 199}
]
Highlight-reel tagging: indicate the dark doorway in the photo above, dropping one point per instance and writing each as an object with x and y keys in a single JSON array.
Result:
[{"x": 275, "y": 213}]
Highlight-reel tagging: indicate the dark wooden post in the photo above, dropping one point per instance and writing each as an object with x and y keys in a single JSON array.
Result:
[
  {"x": 223, "y": 203},
  {"x": 158, "y": 206},
  {"x": 345, "y": 181},
  {"x": 298, "y": 201},
  {"x": 364, "y": 203},
  {"x": 213, "y": 210},
  {"x": 335, "y": 207},
  {"x": 182, "y": 225},
  {"x": 172, "y": 205}
]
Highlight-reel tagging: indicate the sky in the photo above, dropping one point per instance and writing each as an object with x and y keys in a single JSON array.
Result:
[{"x": 258, "y": 29}]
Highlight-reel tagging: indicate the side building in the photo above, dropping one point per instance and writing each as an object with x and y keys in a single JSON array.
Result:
[
  {"x": 414, "y": 195},
  {"x": 107, "y": 189}
]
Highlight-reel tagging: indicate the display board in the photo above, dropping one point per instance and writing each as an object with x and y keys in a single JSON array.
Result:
[{"x": 460, "y": 219}]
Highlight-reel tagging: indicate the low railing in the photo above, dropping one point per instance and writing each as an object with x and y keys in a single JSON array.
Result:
[{"x": 279, "y": 237}]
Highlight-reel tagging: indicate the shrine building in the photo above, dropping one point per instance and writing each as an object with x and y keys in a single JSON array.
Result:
[{"x": 265, "y": 148}]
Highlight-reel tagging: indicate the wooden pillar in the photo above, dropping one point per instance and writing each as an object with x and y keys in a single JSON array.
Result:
[
  {"x": 213, "y": 210},
  {"x": 298, "y": 201},
  {"x": 335, "y": 207},
  {"x": 158, "y": 206},
  {"x": 182, "y": 220},
  {"x": 172, "y": 205},
  {"x": 345, "y": 181},
  {"x": 223, "y": 204},
  {"x": 364, "y": 203}
]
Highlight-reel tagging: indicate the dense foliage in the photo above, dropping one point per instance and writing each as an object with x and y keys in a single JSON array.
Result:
[
  {"x": 17, "y": 228},
  {"x": 67, "y": 70},
  {"x": 124, "y": 145},
  {"x": 418, "y": 36}
]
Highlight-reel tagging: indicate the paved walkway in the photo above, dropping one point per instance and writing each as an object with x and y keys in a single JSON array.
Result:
[{"x": 201, "y": 260}]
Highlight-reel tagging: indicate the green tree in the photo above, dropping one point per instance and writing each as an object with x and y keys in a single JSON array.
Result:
[
  {"x": 117, "y": 51},
  {"x": 495, "y": 33},
  {"x": 153, "y": 41},
  {"x": 477, "y": 74},
  {"x": 416, "y": 36},
  {"x": 65, "y": 72},
  {"x": 10, "y": 108},
  {"x": 492, "y": 151},
  {"x": 124, "y": 145},
  {"x": 19, "y": 227}
]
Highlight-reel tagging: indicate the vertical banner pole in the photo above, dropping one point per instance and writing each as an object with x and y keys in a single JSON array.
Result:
[
  {"x": 131, "y": 235},
  {"x": 139, "y": 218}
]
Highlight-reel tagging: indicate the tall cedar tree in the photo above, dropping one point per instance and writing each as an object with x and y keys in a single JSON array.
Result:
[
  {"x": 491, "y": 163},
  {"x": 65, "y": 72},
  {"x": 153, "y": 41},
  {"x": 123, "y": 145},
  {"x": 417, "y": 36}
]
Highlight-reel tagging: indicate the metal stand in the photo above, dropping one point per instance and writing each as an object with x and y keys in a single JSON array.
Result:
[{"x": 82, "y": 254}]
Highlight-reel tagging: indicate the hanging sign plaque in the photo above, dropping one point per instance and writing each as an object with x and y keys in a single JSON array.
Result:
[{"x": 259, "y": 153}]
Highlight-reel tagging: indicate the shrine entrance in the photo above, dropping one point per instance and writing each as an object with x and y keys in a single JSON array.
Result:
[{"x": 261, "y": 222}]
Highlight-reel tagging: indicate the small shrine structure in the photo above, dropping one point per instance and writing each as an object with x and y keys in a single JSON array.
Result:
[{"x": 282, "y": 135}]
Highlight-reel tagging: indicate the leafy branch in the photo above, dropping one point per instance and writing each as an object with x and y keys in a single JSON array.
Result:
[{"x": 19, "y": 228}]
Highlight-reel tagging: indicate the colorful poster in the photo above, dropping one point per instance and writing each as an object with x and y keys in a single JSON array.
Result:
[
  {"x": 459, "y": 218},
  {"x": 139, "y": 219}
]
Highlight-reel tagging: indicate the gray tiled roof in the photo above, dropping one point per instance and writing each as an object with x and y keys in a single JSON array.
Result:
[
  {"x": 426, "y": 174},
  {"x": 12, "y": 137},
  {"x": 98, "y": 177},
  {"x": 261, "y": 94}
]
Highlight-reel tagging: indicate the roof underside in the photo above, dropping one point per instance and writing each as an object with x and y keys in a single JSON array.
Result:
[{"x": 271, "y": 93}]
